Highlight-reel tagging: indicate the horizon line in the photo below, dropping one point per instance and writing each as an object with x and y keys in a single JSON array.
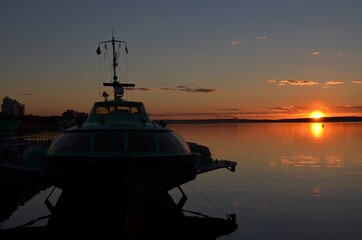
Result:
[{"x": 226, "y": 120}]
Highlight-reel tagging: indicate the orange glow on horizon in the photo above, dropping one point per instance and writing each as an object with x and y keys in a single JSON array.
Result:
[{"x": 316, "y": 114}]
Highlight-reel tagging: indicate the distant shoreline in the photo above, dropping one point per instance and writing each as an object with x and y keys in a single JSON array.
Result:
[
  {"x": 291, "y": 120},
  {"x": 29, "y": 124},
  {"x": 52, "y": 120}
]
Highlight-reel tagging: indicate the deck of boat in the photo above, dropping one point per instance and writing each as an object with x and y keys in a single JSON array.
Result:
[{"x": 217, "y": 164}]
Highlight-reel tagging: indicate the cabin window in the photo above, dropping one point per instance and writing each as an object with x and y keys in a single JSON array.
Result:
[
  {"x": 114, "y": 141},
  {"x": 168, "y": 142},
  {"x": 182, "y": 142},
  {"x": 117, "y": 142},
  {"x": 122, "y": 109},
  {"x": 134, "y": 142},
  {"x": 148, "y": 142},
  {"x": 102, "y": 142},
  {"x": 109, "y": 141},
  {"x": 102, "y": 110},
  {"x": 58, "y": 143},
  {"x": 134, "y": 110},
  {"x": 78, "y": 142},
  {"x": 139, "y": 141},
  {"x": 72, "y": 142}
]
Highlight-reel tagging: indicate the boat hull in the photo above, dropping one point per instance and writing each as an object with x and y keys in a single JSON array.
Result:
[{"x": 138, "y": 178}]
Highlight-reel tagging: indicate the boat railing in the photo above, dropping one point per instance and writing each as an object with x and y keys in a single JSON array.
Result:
[
  {"x": 11, "y": 147},
  {"x": 39, "y": 137}
]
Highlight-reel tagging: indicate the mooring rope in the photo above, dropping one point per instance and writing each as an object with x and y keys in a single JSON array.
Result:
[{"x": 211, "y": 203}]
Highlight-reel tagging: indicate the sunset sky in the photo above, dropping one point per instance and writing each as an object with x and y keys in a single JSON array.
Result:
[{"x": 259, "y": 59}]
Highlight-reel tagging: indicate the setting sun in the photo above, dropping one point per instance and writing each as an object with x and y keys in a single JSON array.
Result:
[{"x": 316, "y": 114}]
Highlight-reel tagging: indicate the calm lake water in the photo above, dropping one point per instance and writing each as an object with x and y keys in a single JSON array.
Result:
[{"x": 292, "y": 181}]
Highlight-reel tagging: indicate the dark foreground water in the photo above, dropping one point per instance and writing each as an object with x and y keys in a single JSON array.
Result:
[{"x": 292, "y": 181}]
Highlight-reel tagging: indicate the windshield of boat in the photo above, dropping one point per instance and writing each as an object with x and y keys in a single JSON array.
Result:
[
  {"x": 108, "y": 112},
  {"x": 119, "y": 109}
]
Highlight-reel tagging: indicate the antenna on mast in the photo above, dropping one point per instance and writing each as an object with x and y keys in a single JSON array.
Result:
[{"x": 118, "y": 87}]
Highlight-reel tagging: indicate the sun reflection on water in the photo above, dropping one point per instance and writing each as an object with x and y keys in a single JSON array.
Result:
[
  {"x": 298, "y": 159},
  {"x": 317, "y": 129}
]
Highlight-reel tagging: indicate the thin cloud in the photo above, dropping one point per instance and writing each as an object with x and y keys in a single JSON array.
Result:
[
  {"x": 276, "y": 112},
  {"x": 333, "y": 83},
  {"x": 199, "y": 90},
  {"x": 297, "y": 83},
  {"x": 191, "y": 90},
  {"x": 139, "y": 89},
  {"x": 286, "y": 82},
  {"x": 290, "y": 82},
  {"x": 287, "y": 109},
  {"x": 237, "y": 43},
  {"x": 195, "y": 114},
  {"x": 261, "y": 38},
  {"x": 228, "y": 109},
  {"x": 27, "y": 94},
  {"x": 185, "y": 88},
  {"x": 235, "y": 113},
  {"x": 227, "y": 114},
  {"x": 315, "y": 53},
  {"x": 149, "y": 19},
  {"x": 346, "y": 110},
  {"x": 342, "y": 55},
  {"x": 168, "y": 89},
  {"x": 357, "y": 82}
]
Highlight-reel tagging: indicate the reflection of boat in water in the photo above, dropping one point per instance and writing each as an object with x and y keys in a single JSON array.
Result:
[
  {"x": 16, "y": 193},
  {"x": 120, "y": 153},
  {"x": 160, "y": 218}
]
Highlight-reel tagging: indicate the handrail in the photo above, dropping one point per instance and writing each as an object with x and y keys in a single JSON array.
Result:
[{"x": 47, "y": 136}]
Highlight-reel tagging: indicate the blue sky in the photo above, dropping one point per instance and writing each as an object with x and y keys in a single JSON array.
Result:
[{"x": 188, "y": 59}]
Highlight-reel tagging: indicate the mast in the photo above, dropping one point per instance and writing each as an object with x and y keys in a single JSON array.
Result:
[{"x": 118, "y": 87}]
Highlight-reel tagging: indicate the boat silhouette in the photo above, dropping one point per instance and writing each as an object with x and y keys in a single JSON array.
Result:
[
  {"x": 119, "y": 143},
  {"x": 118, "y": 153}
]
